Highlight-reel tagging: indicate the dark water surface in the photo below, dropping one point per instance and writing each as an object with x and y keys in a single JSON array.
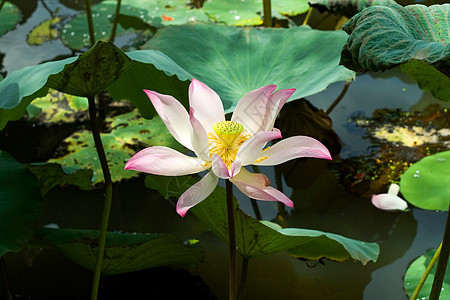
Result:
[{"x": 321, "y": 202}]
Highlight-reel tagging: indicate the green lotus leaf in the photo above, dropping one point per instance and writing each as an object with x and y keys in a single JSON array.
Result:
[
  {"x": 234, "y": 61},
  {"x": 383, "y": 37},
  {"x": 44, "y": 32},
  {"x": 161, "y": 13},
  {"x": 415, "y": 272},
  {"x": 424, "y": 184},
  {"x": 249, "y": 12},
  {"x": 348, "y": 8},
  {"x": 57, "y": 107},
  {"x": 124, "y": 252},
  {"x": 75, "y": 33},
  {"x": 20, "y": 204},
  {"x": 256, "y": 238},
  {"x": 124, "y": 75},
  {"x": 9, "y": 17},
  {"x": 129, "y": 132}
]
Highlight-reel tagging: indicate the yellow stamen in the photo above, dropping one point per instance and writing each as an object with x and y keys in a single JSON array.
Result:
[{"x": 228, "y": 139}]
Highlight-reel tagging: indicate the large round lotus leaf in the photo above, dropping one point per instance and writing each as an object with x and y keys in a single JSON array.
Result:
[
  {"x": 234, "y": 61},
  {"x": 123, "y": 75},
  {"x": 415, "y": 272},
  {"x": 125, "y": 252},
  {"x": 20, "y": 204},
  {"x": 129, "y": 133},
  {"x": 9, "y": 17},
  {"x": 425, "y": 183},
  {"x": 161, "y": 13},
  {"x": 249, "y": 12},
  {"x": 383, "y": 37},
  {"x": 256, "y": 238},
  {"x": 348, "y": 8},
  {"x": 75, "y": 33}
]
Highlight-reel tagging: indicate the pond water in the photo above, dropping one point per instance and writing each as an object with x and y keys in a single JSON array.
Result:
[{"x": 321, "y": 200}]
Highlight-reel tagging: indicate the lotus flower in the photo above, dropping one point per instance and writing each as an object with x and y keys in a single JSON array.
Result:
[
  {"x": 224, "y": 147},
  {"x": 390, "y": 201}
]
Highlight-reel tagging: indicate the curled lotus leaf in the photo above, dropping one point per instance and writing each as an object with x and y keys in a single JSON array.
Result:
[
  {"x": 383, "y": 37},
  {"x": 348, "y": 8}
]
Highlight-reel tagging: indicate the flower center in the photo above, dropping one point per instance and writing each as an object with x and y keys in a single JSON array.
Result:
[{"x": 228, "y": 139}]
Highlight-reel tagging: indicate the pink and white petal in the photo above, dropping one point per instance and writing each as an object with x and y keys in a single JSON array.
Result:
[
  {"x": 197, "y": 193},
  {"x": 251, "y": 111},
  {"x": 389, "y": 202},
  {"x": 256, "y": 186},
  {"x": 235, "y": 168},
  {"x": 199, "y": 137},
  {"x": 207, "y": 104},
  {"x": 160, "y": 160},
  {"x": 293, "y": 147},
  {"x": 274, "y": 105},
  {"x": 251, "y": 149},
  {"x": 174, "y": 115},
  {"x": 219, "y": 167}
]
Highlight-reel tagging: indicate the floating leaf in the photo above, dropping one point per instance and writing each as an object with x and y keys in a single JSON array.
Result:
[
  {"x": 125, "y": 252},
  {"x": 382, "y": 37},
  {"x": 44, "y": 32},
  {"x": 20, "y": 204},
  {"x": 9, "y": 17},
  {"x": 51, "y": 175},
  {"x": 75, "y": 33},
  {"x": 425, "y": 183},
  {"x": 57, "y": 107},
  {"x": 76, "y": 75},
  {"x": 255, "y": 238},
  {"x": 415, "y": 272},
  {"x": 249, "y": 12},
  {"x": 348, "y": 8},
  {"x": 234, "y": 61},
  {"x": 129, "y": 133}
]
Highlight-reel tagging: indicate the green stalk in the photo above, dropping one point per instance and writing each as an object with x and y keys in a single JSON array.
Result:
[
  {"x": 267, "y": 11},
  {"x": 108, "y": 197},
  {"x": 426, "y": 273},
  {"x": 232, "y": 284},
  {"x": 2, "y": 3},
  {"x": 442, "y": 262},
  {"x": 243, "y": 280},
  {"x": 308, "y": 15},
  {"x": 87, "y": 3},
  {"x": 116, "y": 20},
  {"x": 339, "y": 98}
]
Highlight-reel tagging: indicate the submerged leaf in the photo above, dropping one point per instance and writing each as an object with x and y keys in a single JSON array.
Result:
[
  {"x": 20, "y": 204},
  {"x": 44, "y": 32},
  {"x": 125, "y": 252},
  {"x": 425, "y": 183},
  {"x": 234, "y": 61},
  {"x": 383, "y": 37}
]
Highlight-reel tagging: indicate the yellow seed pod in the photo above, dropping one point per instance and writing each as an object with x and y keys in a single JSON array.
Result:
[{"x": 228, "y": 131}]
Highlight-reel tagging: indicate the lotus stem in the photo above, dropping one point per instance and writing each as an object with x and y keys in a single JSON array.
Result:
[
  {"x": 108, "y": 197},
  {"x": 267, "y": 11},
  {"x": 253, "y": 201},
  {"x": 5, "y": 279},
  {"x": 88, "y": 9},
  {"x": 339, "y": 98},
  {"x": 232, "y": 284},
  {"x": 243, "y": 280},
  {"x": 442, "y": 262},
  {"x": 2, "y": 2},
  {"x": 308, "y": 15},
  {"x": 116, "y": 20},
  {"x": 426, "y": 273}
]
